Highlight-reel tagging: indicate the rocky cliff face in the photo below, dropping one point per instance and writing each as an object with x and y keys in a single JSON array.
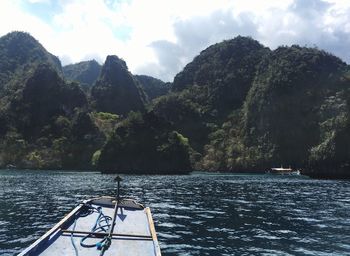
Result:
[
  {"x": 41, "y": 112},
  {"x": 145, "y": 144},
  {"x": 282, "y": 115},
  {"x": 238, "y": 106},
  {"x": 116, "y": 90},
  {"x": 47, "y": 124},
  {"x": 257, "y": 108},
  {"x": 44, "y": 96},
  {"x": 19, "y": 52},
  {"x": 210, "y": 88},
  {"x": 223, "y": 72}
]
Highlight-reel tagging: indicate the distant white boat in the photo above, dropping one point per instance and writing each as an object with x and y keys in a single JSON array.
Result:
[{"x": 283, "y": 171}]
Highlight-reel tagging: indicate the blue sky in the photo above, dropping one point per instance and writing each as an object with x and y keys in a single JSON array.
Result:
[{"x": 159, "y": 37}]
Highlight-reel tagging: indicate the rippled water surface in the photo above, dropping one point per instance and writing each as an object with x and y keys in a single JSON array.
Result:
[{"x": 199, "y": 214}]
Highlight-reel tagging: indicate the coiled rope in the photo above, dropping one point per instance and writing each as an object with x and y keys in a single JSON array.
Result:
[{"x": 102, "y": 223}]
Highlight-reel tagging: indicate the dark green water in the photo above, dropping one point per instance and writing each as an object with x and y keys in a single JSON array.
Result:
[{"x": 198, "y": 214}]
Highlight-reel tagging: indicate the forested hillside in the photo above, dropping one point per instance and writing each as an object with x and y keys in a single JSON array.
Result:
[
  {"x": 238, "y": 106},
  {"x": 85, "y": 72},
  {"x": 153, "y": 87}
]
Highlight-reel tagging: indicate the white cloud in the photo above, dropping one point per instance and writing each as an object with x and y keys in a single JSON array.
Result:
[
  {"x": 159, "y": 37},
  {"x": 13, "y": 18}
]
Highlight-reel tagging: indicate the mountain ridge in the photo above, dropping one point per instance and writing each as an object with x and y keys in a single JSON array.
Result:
[{"x": 238, "y": 106}]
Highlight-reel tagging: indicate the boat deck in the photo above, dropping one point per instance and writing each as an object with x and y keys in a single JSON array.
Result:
[{"x": 133, "y": 234}]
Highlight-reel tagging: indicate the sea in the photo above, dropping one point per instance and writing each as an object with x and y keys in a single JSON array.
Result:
[{"x": 196, "y": 214}]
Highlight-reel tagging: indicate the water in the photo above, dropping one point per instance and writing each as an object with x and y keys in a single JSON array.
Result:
[{"x": 199, "y": 214}]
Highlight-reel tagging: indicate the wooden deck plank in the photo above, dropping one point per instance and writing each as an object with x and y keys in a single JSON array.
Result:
[{"x": 153, "y": 232}]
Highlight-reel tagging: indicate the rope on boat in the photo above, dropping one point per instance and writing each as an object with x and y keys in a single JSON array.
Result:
[
  {"x": 102, "y": 223},
  {"x": 85, "y": 211},
  {"x": 72, "y": 240}
]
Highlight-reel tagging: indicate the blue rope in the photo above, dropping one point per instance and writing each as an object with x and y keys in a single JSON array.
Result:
[
  {"x": 102, "y": 223},
  {"x": 85, "y": 211},
  {"x": 72, "y": 240}
]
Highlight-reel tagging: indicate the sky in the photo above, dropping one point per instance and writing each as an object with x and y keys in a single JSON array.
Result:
[{"x": 159, "y": 37}]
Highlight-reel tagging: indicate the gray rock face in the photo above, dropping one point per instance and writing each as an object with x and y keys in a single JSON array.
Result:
[{"x": 116, "y": 90}]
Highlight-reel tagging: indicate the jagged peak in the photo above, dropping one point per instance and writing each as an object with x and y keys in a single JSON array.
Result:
[
  {"x": 24, "y": 39},
  {"x": 115, "y": 71},
  {"x": 115, "y": 62},
  {"x": 24, "y": 49},
  {"x": 19, "y": 35}
]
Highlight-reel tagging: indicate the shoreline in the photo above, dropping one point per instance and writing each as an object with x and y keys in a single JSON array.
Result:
[{"x": 312, "y": 175}]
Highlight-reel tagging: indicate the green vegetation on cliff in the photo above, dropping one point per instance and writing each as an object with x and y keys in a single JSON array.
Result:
[
  {"x": 282, "y": 116},
  {"x": 223, "y": 74},
  {"x": 238, "y": 106},
  {"x": 208, "y": 90},
  {"x": 153, "y": 87},
  {"x": 42, "y": 124},
  {"x": 286, "y": 107},
  {"x": 117, "y": 91},
  {"x": 47, "y": 124},
  {"x": 85, "y": 72},
  {"x": 19, "y": 52},
  {"x": 145, "y": 144}
]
